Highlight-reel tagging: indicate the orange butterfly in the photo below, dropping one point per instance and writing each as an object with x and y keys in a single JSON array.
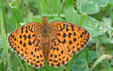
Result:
[{"x": 55, "y": 42}]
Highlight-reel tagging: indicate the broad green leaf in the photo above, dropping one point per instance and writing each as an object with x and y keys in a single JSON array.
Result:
[
  {"x": 104, "y": 39},
  {"x": 91, "y": 6},
  {"x": 68, "y": 3},
  {"x": 109, "y": 25},
  {"x": 79, "y": 61},
  {"x": 111, "y": 2},
  {"x": 94, "y": 26},
  {"x": 72, "y": 16}
]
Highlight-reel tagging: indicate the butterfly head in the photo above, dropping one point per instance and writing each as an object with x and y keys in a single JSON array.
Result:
[
  {"x": 45, "y": 23},
  {"x": 44, "y": 19}
]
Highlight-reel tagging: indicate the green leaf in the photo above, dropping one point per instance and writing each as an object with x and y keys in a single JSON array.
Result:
[
  {"x": 4, "y": 38},
  {"x": 3, "y": 53},
  {"x": 15, "y": 12},
  {"x": 77, "y": 68},
  {"x": 109, "y": 25},
  {"x": 55, "y": 19},
  {"x": 68, "y": 3},
  {"x": 43, "y": 8},
  {"x": 94, "y": 26},
  {"x": 79, "y": 61},
  {"x": 111, "y": 2},
  {"x": 91, "y": 6},
  {"x": 72, "y": 16},
  {"x": 100, "y": 59},
  {"x": 49, "y": 68}
]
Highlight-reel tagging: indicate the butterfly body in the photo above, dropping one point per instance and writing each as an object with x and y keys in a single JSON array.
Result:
[
  {"x": 55, "y": 42},
  {"x": 45, "y": 36}
]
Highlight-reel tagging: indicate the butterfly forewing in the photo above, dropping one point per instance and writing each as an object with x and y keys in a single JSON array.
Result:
[
  {"x": 66, "y": 39},
  {"x": 26, "y": 42}
]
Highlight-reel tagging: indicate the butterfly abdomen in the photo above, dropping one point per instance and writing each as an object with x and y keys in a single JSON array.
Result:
[{"x": 45, "y": 46}]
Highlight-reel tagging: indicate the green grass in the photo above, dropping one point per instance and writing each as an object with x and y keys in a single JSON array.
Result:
[{"x": 97, "y": 18}]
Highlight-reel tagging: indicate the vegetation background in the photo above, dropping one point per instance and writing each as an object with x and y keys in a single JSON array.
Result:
[{"x": 96, "y": 16}]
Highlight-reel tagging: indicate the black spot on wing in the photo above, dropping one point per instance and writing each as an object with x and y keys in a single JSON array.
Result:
[
  {"x": 69, "y": 35},
  {"x": 64, "y": 41},
  {"x": 72, "y": 27},
  {"x": 67, "y": 29},
  {"x": 64, "y": 35}
]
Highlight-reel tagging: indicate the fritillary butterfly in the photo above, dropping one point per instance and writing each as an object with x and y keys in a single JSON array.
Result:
[{"x": 55, "y": 42}]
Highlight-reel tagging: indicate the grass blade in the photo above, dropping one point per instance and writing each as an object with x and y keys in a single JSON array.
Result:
[
  {"x": 85, "y": 60},
  {"x": 100, "y": 59},
  {"x": 20, "y": 63},
  {"x": 4, "y": 39}
]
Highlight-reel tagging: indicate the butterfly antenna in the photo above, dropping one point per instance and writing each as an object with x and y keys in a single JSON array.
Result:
[
  {"x": 33, "y": 10},
  {"x": 56, "y": 8}
]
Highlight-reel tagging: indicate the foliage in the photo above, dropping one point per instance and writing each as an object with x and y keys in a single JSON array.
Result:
[{"x": 96, "y": 16}]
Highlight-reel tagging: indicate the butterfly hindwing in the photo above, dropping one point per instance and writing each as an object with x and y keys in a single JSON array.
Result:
[{"x": 57, "y": 55}]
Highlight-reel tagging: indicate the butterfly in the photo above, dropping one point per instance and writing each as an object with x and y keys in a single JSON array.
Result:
[{"x": 56, "y": 42}]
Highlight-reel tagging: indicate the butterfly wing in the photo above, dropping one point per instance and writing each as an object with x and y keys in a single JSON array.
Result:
[
  {"x": 26, "y": 42},
  {"x": 65, "y": 39}
]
